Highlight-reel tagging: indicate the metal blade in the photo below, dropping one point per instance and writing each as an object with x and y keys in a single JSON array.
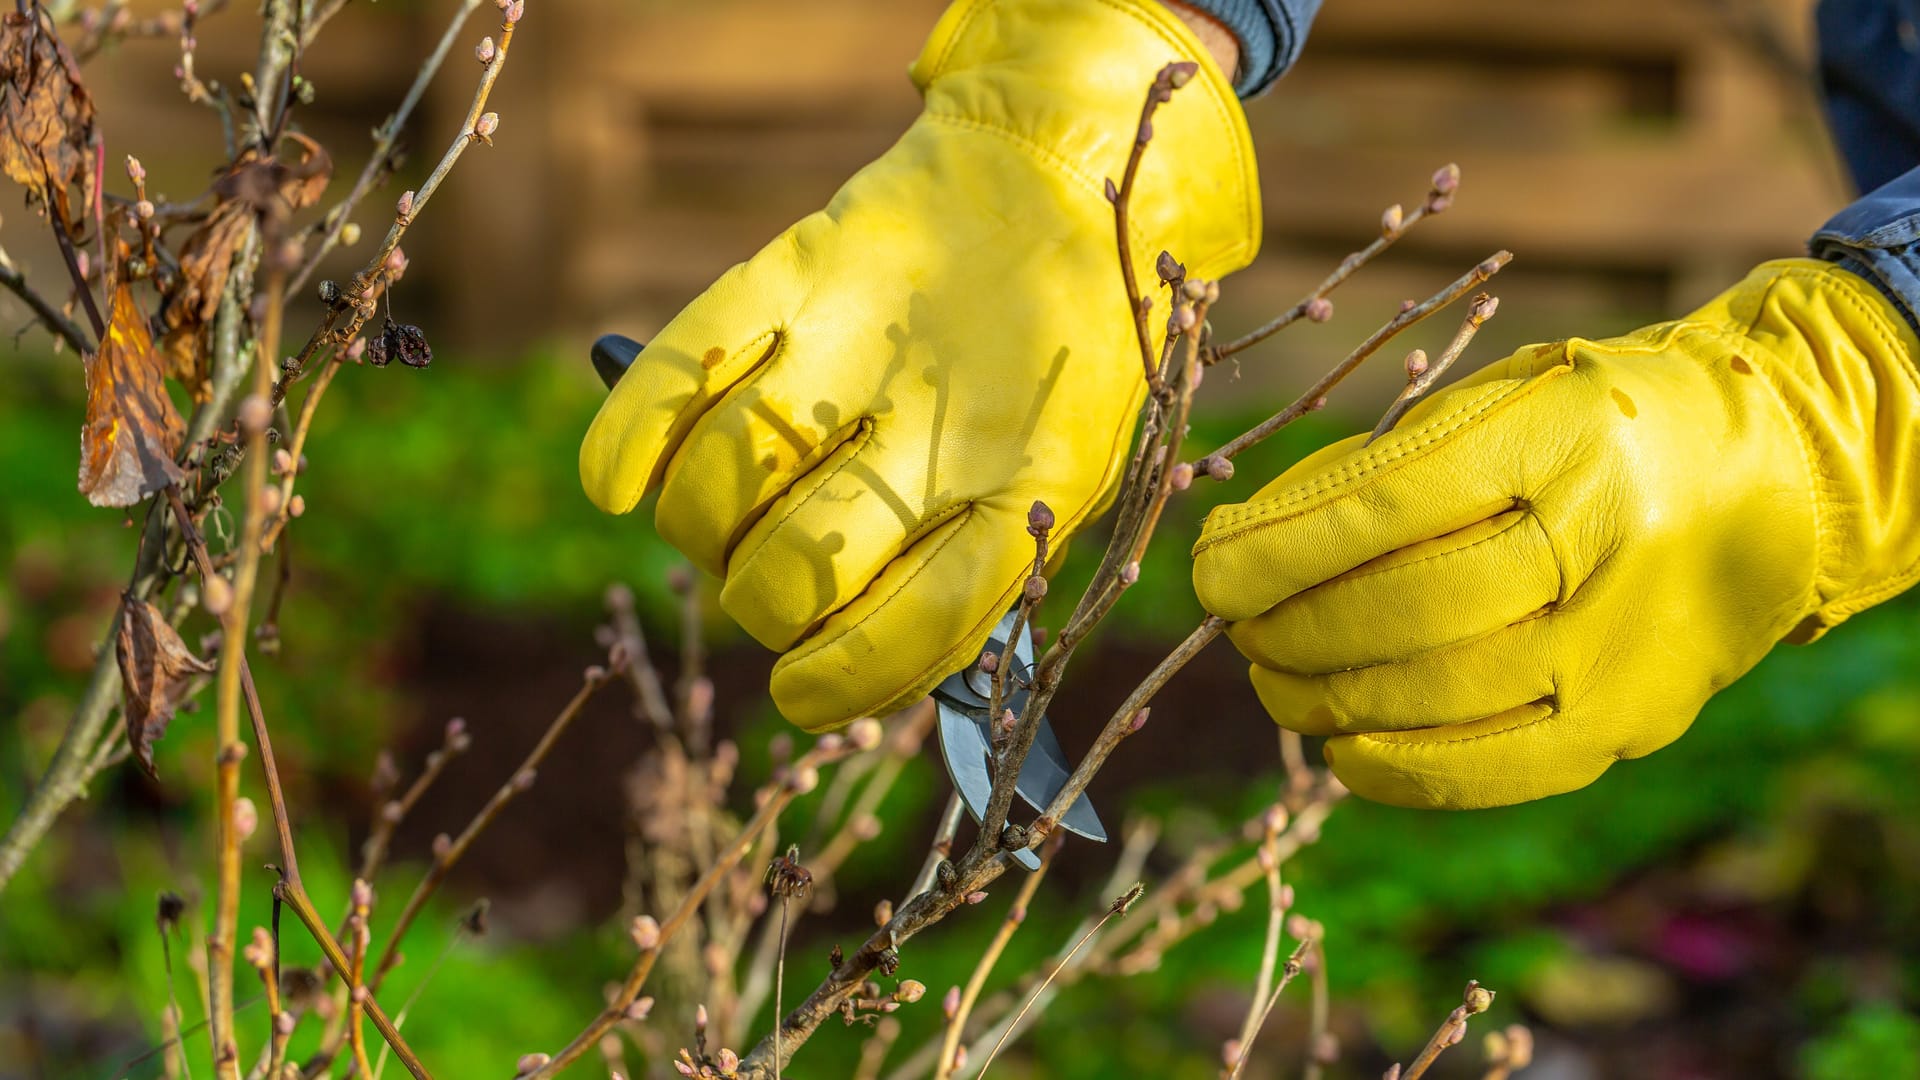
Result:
[
  {"x": 963, "y": 745},
  {"x": 966, "y": 741}
]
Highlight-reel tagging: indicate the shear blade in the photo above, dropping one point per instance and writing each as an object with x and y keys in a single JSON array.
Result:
[
  {"x": 966, "y": 743},
  {"x": 963, "y": 744}
]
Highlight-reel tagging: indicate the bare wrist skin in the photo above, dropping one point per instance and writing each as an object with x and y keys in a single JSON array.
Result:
[{"x": 1219, "y": 41}]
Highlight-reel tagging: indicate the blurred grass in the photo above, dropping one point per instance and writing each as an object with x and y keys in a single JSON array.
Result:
[{"x": 460, "y": 482}]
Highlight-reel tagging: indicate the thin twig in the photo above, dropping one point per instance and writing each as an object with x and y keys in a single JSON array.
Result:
[
  {"x": 1165, "y": 82},
  {"x": 1320, "y": 1049},
  {"x": 50, "y": 316},
  {"x": 1292, "y": 968},
  {"x": 1477, "y": 999},
  {"x": 1421, "y": 375},
  {"x": 774, "y": 801},
  {"x": 941, "y": 849},
  {"x": 1316, "y": 395},
  {"x": 521, "y": 780},
  {"x": 1313, "y": 306},
  {"x": 1276, "y": 921},
  {"x": 1016, "y": 914},
  {"x": 1119, "y": 907},
  {"x": 384, "y": 141},
  {"x": 295, "y": 897}
]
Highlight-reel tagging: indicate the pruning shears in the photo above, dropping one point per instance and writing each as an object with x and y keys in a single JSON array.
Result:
[{"x": 963, "y": 698}]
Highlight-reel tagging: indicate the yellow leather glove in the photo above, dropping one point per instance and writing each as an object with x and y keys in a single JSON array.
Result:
[
  {"x": 851, "y": 426},
  {"x": 1553, "y": 565}
]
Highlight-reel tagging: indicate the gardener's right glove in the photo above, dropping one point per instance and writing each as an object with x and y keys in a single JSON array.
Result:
[{"x": 1553, "y": 565}]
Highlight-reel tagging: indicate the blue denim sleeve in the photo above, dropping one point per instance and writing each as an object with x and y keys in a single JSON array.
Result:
[
  {"x": 1271, "y": 33},
  {"x": 1870, "y": 85},
  {"x": 1878, "y": 238}
]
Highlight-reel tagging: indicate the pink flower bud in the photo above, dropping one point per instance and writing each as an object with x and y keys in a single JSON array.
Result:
[
  {"x": 403, "y": 209},
  {"x": 1391, "y": 220},
  {"x": 484, "y": 127},
  {"x": 976, "y": 897},
  {"x": 645, "y": 932},
  {"x": 1447, "y": 180},
  {"x": 136, "y": 172},
  {"x": 529, "y": 1062},
  {"x": 1039, "y": 518},
  {"x": 254, "y": 414},
  {"x": 1130, "y": 573},
  {"x": 1139, "y": 719},
  {"x": 485, "y": 51},
  {"x": 864, "y": 733},
  {"x": 950, "y": 1004},
  {"x": 1035, "y": 589},
  {"x": 910, "y": 991},
  {"x": 1319, "y": 309},
  {"x": 143, "y": 210},
  {"x": 246, "y": 818},
  {"x": 1218, "y": 468},
  {"x": 830, "y": 743},
  {"x": 1416, "y": 363},
  {"x": 442, "y": 847},
  {"x": 804, "y": 779},
  {"x": 1182, "y": 476},
  {"x": 640, "y": 1009},
  {"x": 989, "y": 661}
]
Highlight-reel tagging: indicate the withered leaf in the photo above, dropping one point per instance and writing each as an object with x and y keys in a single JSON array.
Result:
[
  {"x": 273, "y": 186},
  {"x": 253, "y": 186},
  {"x": 46, "y": 118},
  {"x": 132, "y": 429},
  {"x": 193, "y": 295},
  {"x": 156, "y": 669}
]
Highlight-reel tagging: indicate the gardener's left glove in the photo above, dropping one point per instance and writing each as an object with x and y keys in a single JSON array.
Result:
[{"x": 851, "y": 426}]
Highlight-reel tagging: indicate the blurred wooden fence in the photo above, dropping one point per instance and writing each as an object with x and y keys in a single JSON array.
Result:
[{"x": 1636, "y": 155}]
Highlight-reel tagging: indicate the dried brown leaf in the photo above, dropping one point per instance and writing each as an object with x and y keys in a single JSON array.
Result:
[
  {"x": 46, "y": 118},
  {"x": 132, "y": 429},
  {"x": 255, "y": 185},
  {"x": 193, "y": 297},
  {"x": 156, "y": 670}
]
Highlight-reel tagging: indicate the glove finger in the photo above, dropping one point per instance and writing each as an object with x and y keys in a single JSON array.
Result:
[
  {"x": 1524, "y": 753},
  {"x": 1430, "y": 595},
  {"x": 923, "y": 617},
  {"x": 1457, "y": 460},
  {"x": 1501, "y": 671},
  {"x": 826, "y": 541},
  {"x": 746, "y": 453},
  {"x": 715, "y": 343}
]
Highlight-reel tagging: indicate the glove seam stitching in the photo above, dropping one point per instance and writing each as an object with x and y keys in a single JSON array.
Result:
[
  {"x": 1236, "y": 520},
  {"x": 1123, "y": 435},
  {"x": 858, "y": 441},
  {"x": 1383, "y": 739},
  {"x": 1351, "y": 577}
]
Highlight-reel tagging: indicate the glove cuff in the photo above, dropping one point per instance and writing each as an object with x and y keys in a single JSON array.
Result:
[
  {"x": 1842, "y": 359},
  {"x": 1064, "y": 80}
]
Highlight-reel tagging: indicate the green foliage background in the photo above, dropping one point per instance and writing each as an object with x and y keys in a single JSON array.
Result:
[{"x": 1791, "y": 803}]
